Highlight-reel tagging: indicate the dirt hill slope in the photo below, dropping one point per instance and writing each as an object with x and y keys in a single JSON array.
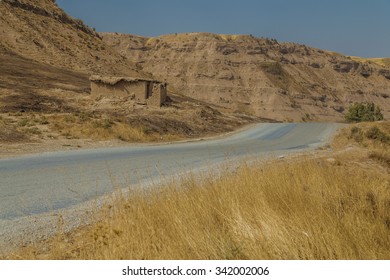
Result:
[
  {"x": 46, "y": 58},
  {"x": 45, "y": 108},
  {"x": 282, "y": 81},
  {"x": 39, "y": 30}
]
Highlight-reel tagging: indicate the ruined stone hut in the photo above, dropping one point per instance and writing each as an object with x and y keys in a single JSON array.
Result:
[{"x": 144, "y": 91}]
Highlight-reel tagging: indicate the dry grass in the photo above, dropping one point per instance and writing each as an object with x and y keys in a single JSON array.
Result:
[
  {"x": 228, "y": 37},
  {"x": 306, "y": 209},
  {"x": 11, "y": 133},
  {"x": 309, "y": 210},
  {"x": 372, "y": 136},
  {"x": 384, "y": 62},
  {"x": 81, "y": 126},
  {"x": 182, "y": 118}
]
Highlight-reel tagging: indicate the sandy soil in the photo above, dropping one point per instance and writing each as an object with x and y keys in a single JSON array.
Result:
[{"x": 20, "y": 149}]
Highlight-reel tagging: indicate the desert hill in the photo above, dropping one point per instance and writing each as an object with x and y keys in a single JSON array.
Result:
[
  {"x": 259, "y": 76},
  {"x": 43, "y": 49},
  {"x": 216, "y": 82},
  {"x": 384, "y": 62},
  {"x": 39, "y": 30},
  {"x": 46, "y": 58}
]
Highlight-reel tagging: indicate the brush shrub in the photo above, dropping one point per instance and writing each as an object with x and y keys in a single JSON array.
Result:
[
  {"x": 356, "y": 134},
  {"x": 374, "y": 133},
  {"x": 364, "y": 112},
  {"x": 273, "y": 68}
]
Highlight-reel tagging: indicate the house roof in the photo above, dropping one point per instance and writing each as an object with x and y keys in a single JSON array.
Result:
[{"x": 112, "y": 80}]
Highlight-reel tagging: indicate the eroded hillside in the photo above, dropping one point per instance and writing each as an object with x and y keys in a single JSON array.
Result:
[
  {"x": 282, "y": 81},
  {"x": 46, "y": 58},
  {"x": 41, "y": 31}
]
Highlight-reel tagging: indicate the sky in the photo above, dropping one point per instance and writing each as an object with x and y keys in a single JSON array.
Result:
[{"x": 351, "y": 27}]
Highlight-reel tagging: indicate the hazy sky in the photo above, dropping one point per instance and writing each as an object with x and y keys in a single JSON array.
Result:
[{"x": 352, "y": 27}]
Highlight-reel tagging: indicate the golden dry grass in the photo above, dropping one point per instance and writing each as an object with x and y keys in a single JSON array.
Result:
[
  {"x": 229, "y": 37},
  {"x": 384, "y": 62},
  {"x": 9, "y": 132},
  {"x": 372, "y": 136},
  {"x": 311, "y": 208},
  {"x": 82, "y": 126}
]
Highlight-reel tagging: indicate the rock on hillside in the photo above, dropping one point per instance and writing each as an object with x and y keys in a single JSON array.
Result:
[
  {"x": 40, "y": 31},
  {"x": 282, "y": 81}
]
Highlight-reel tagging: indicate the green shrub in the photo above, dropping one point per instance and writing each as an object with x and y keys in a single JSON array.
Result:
[
  {"x": 374, "y": 133},
  {"x": 364, "y": 112}
]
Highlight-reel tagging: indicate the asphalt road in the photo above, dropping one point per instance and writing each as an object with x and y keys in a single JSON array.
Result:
[{"x": 50, "y": 181}]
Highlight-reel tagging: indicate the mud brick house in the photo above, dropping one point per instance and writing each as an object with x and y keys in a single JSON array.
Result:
[{"x": 144, "y": 91}]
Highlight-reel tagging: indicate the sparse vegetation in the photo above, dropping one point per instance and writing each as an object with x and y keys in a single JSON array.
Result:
[
  {"x": 273, "y": 68},
  {"x": 356, "y": 134},
  {"x": 305, "y": 209},
  {"x": 375, "y": 133},
  {"x": 385, "y": 62},
  {"x": 180, "y": 118},
  {"x": 291, "y": 209},
  {"x": 364, "y": 112},
  {"x": 377, "y": 139},
  {"x": 370, "y": 135},
  {"x": 80, "y": 126},
  {"x": 9, "y": 132},
  {"x": 23, "y": 122},
  {"x": 382, "y": 157}
]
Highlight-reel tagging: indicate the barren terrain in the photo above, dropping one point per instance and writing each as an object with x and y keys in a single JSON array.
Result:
[
  {"x": 46, "y": 58},
  {"x": 260, "y": 76},
  {"x": 290, "y": 208},
  {"x": 217, "y": 83},
  {"x": 39, "y": 30},
  {"x": 333, "y": 204}
]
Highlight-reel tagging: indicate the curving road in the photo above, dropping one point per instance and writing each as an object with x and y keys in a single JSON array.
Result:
[{"x": 45, "y": 182}]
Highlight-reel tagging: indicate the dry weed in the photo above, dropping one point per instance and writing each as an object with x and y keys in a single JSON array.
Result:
[
  {"x": 302, "y": 209},
  {"x": 307, "y": 210}
]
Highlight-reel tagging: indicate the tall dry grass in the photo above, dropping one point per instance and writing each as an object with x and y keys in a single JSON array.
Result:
[
  {"x": 311, "y": 209},
  {"x": 80, "y": 126}
]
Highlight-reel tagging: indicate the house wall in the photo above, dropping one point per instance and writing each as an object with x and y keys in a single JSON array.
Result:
[
  {"x": 145, "y": 92},
  {"x": 141, "y": 94},
  {"x": 158, "y": 95},
  {"x": 164, "y": 93},
  {"x": 121, "y": 89}
]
